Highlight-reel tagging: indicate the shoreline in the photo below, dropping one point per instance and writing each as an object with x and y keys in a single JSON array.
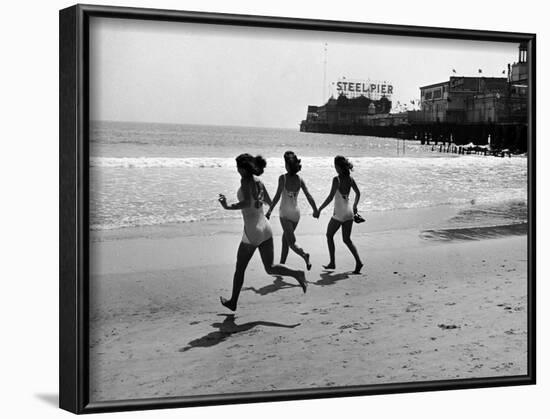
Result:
[{"x": 423, "y": 218}]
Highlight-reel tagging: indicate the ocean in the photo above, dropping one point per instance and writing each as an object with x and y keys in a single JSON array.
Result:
[{"x": 147, "y": 174}]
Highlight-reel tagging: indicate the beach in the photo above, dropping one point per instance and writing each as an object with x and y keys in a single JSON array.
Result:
[
  {"x": 442, "y": 294},
  {"x": 430, "y": 304}
]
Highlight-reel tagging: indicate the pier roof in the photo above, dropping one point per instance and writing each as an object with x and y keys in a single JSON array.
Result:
[{"x": 463, "y": 78}]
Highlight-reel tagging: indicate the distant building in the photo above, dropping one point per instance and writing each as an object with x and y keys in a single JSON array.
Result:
[
  {"x": 518, "y": 72},
  {"x": 477, "y": 100},
  {"x": 312, "y": 113},
  {"x": 491, "y": 108},
  {"x": 339, "y": 113},
  {"x": 387, "y": 119},
  {"x": 447, "y": 101}
]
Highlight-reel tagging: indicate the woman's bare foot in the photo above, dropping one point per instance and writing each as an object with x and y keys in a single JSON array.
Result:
[
  {"x": 308, "y": 263},
  {"x": 330, "y": 266},
  {"x": 358, "y": 267},
  {"x": 227, "y": 303},
  {"x": 301, "y": 278}
]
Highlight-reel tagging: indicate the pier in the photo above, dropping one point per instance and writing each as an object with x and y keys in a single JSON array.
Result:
[{"x": 486, "y": 112}]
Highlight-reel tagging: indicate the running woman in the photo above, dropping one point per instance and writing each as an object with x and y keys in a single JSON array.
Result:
[
  {"x": 289, "y": 187},
  {"x": 343, "y": 212},
  {"x": 257, "y": 231}
]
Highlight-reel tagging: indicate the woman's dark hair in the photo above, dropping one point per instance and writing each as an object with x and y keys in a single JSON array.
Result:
[
  {"x": 344, "y": 164},
  {"x": 252, "y": 165},
  {"x": 293, "y": 162}
]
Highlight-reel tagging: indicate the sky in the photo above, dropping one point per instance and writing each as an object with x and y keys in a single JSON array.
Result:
[{"x": 173, "y": 72}]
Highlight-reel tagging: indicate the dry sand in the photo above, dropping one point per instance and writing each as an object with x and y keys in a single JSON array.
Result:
[{"x": 421, "y": 310}]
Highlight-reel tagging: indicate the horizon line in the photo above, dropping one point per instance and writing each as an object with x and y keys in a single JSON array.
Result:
[{"x": 189, "y": 123}]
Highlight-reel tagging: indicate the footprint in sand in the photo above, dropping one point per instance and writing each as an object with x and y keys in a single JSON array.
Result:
[
  {"x": 413, "y": 308},
  {"x": 234, "y": 346},
  {"x": 354, "y": 326},
  {"x": 503, "y": 366},
  {"x": 448, "y": 326},
  {"x": 519, "y": 308},
  {"x": 320, "y": 311}
]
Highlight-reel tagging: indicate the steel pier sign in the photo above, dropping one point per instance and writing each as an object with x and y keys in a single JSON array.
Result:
[{"x": 368, "y": 88}]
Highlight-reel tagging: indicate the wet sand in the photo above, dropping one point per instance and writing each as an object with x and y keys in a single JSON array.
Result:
[{"x": 424, "y": 308}]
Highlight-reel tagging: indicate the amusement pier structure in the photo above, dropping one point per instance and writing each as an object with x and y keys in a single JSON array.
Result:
[{"x": 462, "y": 110}]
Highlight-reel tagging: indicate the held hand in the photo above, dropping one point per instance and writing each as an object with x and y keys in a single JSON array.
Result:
[
  {"x": 268, "y": 214},
  {"x": 222, "y": 200},
  {"x": 316, "y": 214}
]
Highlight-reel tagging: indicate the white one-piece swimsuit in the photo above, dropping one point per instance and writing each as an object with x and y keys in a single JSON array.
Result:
[
  {"x": 256, "y": 227},
  {"x": 342, "y": 206},
  {"x": 289, "y": 209}
]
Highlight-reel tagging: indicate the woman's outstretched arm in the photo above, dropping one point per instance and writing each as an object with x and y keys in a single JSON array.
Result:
[
  {"x": 357, "y": 195},
  {"x": 308, "y": 196},
  {"x": 329, "y": 197},
  {"x": 276, "y": 197},
  {"x": 247, "y": 197}
]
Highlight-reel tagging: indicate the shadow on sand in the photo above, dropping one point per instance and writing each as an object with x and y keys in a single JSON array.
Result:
[
  {"x": 278, "y": 284},
  {"x": 331, "y": 278},
  {"x": 227, "y": 328}
]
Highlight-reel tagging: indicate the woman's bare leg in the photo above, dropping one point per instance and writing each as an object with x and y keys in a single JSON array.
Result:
[
  {"x": 244, "y": 254},
  {"x": 290, "y": 238},
  {"x": 266, "y": 252},
  {"x": 332, "y": 228},
  {"x": 346, "y": 237},
  {"x": 284, "y": 248}
]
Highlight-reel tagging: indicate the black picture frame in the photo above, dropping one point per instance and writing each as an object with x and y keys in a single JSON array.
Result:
[{"x": 74, "y": 206}]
